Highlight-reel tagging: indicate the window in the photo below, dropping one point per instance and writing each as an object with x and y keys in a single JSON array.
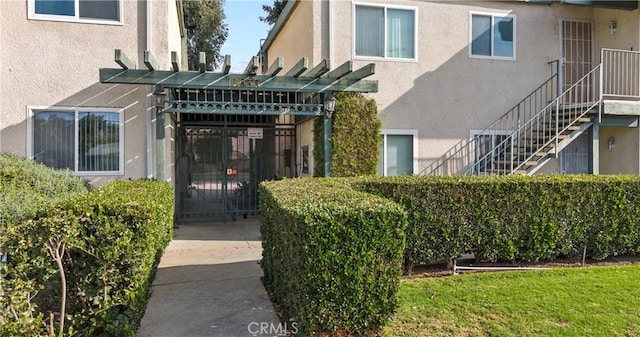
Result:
[
  {"x": 96, "y": 11},
  {"x": 488, "y": 151},
  {"x": 493, "y": 36},
  {"x": 397, "y": 152},
  {"x": 385, "y": 32},
  {"x": 86, "y": 141}
]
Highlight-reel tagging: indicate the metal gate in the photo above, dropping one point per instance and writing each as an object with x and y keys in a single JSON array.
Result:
[{"x": 219, "y": 168}]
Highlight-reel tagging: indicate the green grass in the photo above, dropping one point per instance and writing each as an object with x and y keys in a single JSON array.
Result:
[{"x": 592, "y": 301}]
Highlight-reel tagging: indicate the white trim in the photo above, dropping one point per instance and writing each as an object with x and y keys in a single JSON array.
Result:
[
  {"x": 31, "y": 110},
  {"x": 32, "y": 15},
  {"x": 385, "y": 7},
  {"x": 493, "y": 16},
  {"x": 149, "y": 25},
  {"x": 399, "y": 132}
]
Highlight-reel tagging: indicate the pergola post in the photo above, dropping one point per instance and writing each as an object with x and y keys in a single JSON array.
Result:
[
  {"x": 327, "y": 145},
  {"x": 160, "y": 139}
]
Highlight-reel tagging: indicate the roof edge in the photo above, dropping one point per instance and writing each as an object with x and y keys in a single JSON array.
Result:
[{"x": 277, "y": 27}]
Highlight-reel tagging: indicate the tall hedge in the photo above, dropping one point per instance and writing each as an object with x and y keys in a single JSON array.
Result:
[
  {"x": 515, "y": 218},
  {"x": 113, "y": 237},
  {"x": 355, "y": 137},
  {"x": 27, "y": 187},
  {"x": 331, "y": 255}
]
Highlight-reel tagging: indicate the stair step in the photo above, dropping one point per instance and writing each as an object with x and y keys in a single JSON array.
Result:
[
  {"x": 552, "y": 120},
  {"x": 506, "y": 171},
  {"x": 515, "y": 162}
]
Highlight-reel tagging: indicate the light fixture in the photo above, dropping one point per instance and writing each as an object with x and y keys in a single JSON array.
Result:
[
  {"x": 612, "y": 26},
  {"x": 158, "y": 97},
  {"x": 612, "y": 143},
  {"x": 329, "y": 104}
]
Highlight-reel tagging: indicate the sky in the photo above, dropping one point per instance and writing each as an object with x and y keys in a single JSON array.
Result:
[{"x": 245, "y": 31}]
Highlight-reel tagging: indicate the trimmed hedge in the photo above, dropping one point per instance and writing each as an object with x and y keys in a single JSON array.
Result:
[
  {"x": 515, "y": 218},
  {"x": 331, "y": 255},
  {"x": 114, "y": 236},
  {"x": 27, "y": 187}
]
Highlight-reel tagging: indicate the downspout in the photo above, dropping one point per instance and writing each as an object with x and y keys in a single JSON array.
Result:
[{"x": 150, "y": 113}]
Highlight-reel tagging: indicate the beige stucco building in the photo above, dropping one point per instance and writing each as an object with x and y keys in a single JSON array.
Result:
[
  {"x": 53, "y": 107},
  {"x": 484, "y": 86}
]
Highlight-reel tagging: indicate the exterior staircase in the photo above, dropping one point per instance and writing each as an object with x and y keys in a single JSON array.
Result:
[{"x": 523, "y": 139}]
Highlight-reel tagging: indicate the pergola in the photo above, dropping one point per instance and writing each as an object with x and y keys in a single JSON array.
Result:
[{"x": 299, "y": 92}]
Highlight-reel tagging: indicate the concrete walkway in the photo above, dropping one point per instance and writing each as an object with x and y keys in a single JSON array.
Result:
[{"x": 208, "y": 284}]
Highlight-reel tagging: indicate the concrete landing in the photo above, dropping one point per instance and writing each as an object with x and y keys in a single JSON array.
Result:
[{"x": 208, "y": 284}]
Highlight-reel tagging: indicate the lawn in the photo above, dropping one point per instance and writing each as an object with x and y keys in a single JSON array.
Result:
[{"x": 591, "y": 301}]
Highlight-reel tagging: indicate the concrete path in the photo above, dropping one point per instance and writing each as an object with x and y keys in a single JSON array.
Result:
[{"x": 208, "y": 284}]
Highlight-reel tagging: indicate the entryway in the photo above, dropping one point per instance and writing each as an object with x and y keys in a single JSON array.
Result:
[{"x": 220, "y": 165}]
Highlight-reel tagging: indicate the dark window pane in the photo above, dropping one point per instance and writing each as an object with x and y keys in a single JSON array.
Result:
[
  {"x": 55, "y": 7},
  {"x": 54, "y": 139},
  {"x": 369, "y": 31},
  {"x": 99, "y": 141},
  {"x": 503, "y": 37},
  {"x": 481, "y": 35},
  {"x": 100, "y": 9}
]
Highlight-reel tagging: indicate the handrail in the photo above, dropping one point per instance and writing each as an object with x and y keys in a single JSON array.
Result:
[
  {"x": 447, "y": 164},
  {"x": 571, "y": 105}
]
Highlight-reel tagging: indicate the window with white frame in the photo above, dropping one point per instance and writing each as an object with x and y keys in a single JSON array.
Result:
[
  {"x": 397, "y": 152},
  {"x": 385, "y": 32},
  {"x": 85, "y": 141},
  {"x": 492, "y": 36},
  {"x": 488, "y": 150},
  {"x": 94, "y": 11}
]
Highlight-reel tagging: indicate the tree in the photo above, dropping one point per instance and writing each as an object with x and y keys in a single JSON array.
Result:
[
  {"x": 206, "y": 31},
  {"x": 273, "y": 12}
]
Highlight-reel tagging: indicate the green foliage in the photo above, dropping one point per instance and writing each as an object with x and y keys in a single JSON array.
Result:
[
  {"x": 27, "y": 187},
  {"x": 273, "y": 12},
  {"x": 331, "y": 255},
  {"x": 515, "y": 218},
  {"x": 206, "y": 31},
  {"x": 114, "y": 237},
  {"x": 318, "y": 148},
  {"x": 355, "y": 138}
]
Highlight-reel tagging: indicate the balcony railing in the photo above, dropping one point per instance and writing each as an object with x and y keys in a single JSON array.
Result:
[{"x": 620, "y": 74}]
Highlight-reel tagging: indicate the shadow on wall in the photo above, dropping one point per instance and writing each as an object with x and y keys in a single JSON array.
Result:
[
  {"x": 464, "y": 93},
  {"x": 131, "y": 99}
]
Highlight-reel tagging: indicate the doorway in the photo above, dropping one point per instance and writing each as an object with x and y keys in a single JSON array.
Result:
[
  {"x": 577, "y": 56},
  {"x": 219, "y": 168}
]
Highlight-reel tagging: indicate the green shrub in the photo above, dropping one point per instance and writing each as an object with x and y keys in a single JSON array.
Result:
[
  {"x": 354, "y": 149},
  {"x": 331, "y": 255},
  {"x": 515, "y": 218},
  {"x": 114, "y": 236},
  {"x": 27, "y": 187}
]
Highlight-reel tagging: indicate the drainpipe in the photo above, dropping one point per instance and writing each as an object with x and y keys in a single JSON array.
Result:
[{"x": 150, "y": 112}]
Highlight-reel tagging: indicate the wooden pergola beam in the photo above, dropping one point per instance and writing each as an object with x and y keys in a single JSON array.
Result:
[
  {"x": 226, "y": 66},
  {"x": 361, "y": 73},
  {"x": 211, "y": 80},
  {"x": 341, "y": 71},
  {"x": 202, "y": 62},
  {"x": 252, "y": 66},
  {"x": 319, "y": 70},
  {"x": 150, "y": 61},
  {"x": 275, "y": 67},
  {"x": 175, "y": 61},
  {"x": 123, "y": 60},
  {"x": 299, "y": 68}
]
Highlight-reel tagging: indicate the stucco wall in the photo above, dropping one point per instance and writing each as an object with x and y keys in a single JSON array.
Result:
[
  {"x": 623, "y": 158},
  {"x": 47, "y": 63},
  {"x": 297, "y": 39}
]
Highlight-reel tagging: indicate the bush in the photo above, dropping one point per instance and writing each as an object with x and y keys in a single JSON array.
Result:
[
  {"x": 331, "y": 255},
  {"x": 111, "y": 238},
  {"x": 515, "y": 218},
  {"x": 27, "y": 187}
]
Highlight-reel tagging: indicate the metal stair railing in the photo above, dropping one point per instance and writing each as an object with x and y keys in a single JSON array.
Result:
[
  {"x": 540, "y": 135},
  {"x": 466, "y": 154}
]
